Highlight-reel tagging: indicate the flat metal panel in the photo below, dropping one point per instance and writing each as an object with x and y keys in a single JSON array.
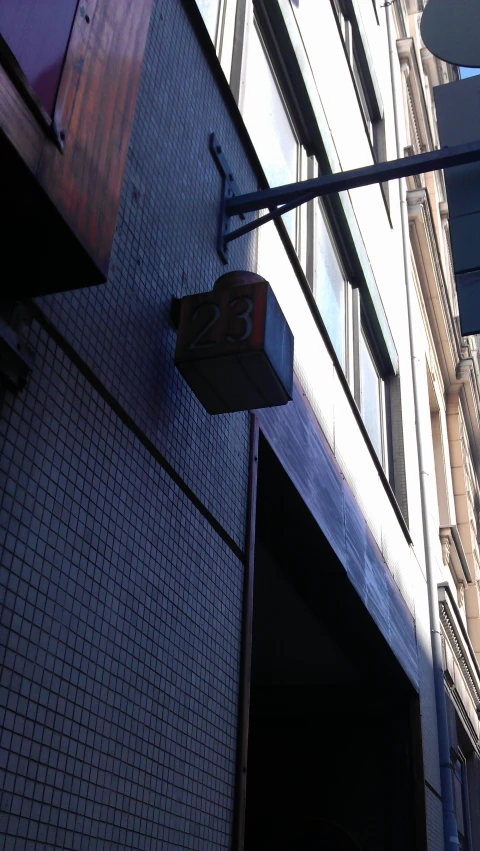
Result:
[
  {"x": 294, "y": 435},
  {"x": 458, "y": 116},
  {"x": 465, "y": 239},
  {"x": 450, "y": 31},
  {"x": 457, "y": 106},
  {"x": 302, "y": 449},
  {"x": 468, "y": 294},
  {"x": 356, "y": 541},
  {"x": 462, "y": 184}
]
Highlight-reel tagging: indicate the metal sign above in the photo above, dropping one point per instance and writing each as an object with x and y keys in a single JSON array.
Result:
[{"x": 450, "y": 29}]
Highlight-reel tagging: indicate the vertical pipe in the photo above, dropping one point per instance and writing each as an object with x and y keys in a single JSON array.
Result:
[
  {"x": 430, "y": 534},
  {"x": 246, "y": 648}
]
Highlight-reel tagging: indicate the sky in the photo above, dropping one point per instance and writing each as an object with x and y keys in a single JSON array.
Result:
[{"x": 468, "y": 72}]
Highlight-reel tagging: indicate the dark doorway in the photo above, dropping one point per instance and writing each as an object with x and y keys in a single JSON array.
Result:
[{"x": 331, "y": 755}]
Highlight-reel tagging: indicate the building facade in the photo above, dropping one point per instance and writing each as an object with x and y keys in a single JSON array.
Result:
[{"x": 257, "y": 629}]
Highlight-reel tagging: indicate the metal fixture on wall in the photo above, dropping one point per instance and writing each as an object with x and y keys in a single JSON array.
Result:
[
  {"x": 234, "y": 346},
  {"x": 281, "y": 199}
]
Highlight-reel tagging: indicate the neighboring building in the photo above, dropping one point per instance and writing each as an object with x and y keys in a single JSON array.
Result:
[{"x": 224, "y": 631}]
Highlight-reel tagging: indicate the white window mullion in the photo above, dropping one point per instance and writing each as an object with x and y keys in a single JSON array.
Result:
[
  {"x": 356, "y": 330},
  {"x": 302, "y": 213}
]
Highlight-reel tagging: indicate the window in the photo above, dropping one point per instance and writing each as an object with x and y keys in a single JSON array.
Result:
[
  {"x": 268, "y": 121},
  {"x": 210, "y": 10},
  {"x": 219, "y": 18},
  {"x": 272, "y": 108},
  {"x": 330, "y": 285},
  {"x": 362, "y": 74},
  {"x": 371, "y": 396},
  {"x": 460, "y": 790},
  {"x": 349, "y": 331}
]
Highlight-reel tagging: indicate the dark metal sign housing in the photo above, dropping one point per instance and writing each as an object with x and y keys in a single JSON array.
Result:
[{"x": 234, "y": 346}]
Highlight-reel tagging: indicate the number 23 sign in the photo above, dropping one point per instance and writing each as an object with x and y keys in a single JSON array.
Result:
[{"x": 234, "y": 346}]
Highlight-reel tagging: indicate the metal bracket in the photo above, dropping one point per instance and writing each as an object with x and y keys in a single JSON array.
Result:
[
  {"x": 229, "y": 190},
  {"x": 282, "y": 199}
]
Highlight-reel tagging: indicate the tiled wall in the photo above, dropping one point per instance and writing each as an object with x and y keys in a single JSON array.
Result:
[
  {"x": 123, "y": 516},
  {"x": 121, "y": 624}
]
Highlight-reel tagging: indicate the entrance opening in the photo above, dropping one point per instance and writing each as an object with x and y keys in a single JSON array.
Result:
[{"x": 333, "y": 756}]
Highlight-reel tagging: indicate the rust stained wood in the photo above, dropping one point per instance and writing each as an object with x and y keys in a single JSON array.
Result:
[
  {"x": 74, "y": 63},
  {"x": 19, "y": 124},
  {"x": 62, "y": 206},
  {"x": 96, "y": 106}
]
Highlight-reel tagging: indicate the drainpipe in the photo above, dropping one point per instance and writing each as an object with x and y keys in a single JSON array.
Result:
[{"x": 430, "y": 534}]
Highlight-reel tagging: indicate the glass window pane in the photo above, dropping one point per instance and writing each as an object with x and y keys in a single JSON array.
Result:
[
  {"x": 371, "y": 404},
  {"x": 330, "y": 286},
  {"x": 210, "y": 10},
  {"x": 362, "y": 96},
  {"x": 268, "y": 123}
]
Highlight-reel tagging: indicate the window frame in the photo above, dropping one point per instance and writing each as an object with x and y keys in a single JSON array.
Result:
[
  {"x": 460, "y": 766},
  {"x": 260, "y": 25},
  {"x": 363, "y": 333},
  {"x": 356, "y": 324},
  {"x": 364, "y": 83},
  {"x": 223, "y": 39},
  {"x": 320, "y": 210},
  {"x": 286, "y": 63}
]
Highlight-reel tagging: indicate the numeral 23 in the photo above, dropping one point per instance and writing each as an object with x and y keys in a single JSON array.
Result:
[{"x": 213, "y": 316}]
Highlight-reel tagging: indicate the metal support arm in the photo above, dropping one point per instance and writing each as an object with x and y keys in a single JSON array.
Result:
[{"x": 282, "y": 199}]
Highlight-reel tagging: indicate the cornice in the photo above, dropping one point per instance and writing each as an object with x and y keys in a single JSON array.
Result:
[
  {"x": 409, "y": 62},
  {"x": 470, "y": 398},
  {"x": 458, "y": 372},
  {"x": 454, "y": 555},
  {"x": 437, "y": 71},
  {"x": 456, "y": 636},
  {"x": 427, "y": 258},
  {"x": 400, "y": 17}
]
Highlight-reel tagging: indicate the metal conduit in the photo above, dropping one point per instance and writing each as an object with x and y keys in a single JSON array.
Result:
[{"x": 430, "y": 534}]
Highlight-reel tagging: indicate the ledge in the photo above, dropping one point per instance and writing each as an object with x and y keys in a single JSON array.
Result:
[
  {"x": 459, "y": 642},
  {"x": 407, "y": 55},
  {"x": 432, "y": 281},
  {"x": 456, "y": 553}
]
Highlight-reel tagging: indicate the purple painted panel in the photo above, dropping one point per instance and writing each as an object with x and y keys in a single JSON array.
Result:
[
  {"x": 295, "y": 436},
  {"x": 37, "y": 32},
  {"x": 300, "y": 446}
]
